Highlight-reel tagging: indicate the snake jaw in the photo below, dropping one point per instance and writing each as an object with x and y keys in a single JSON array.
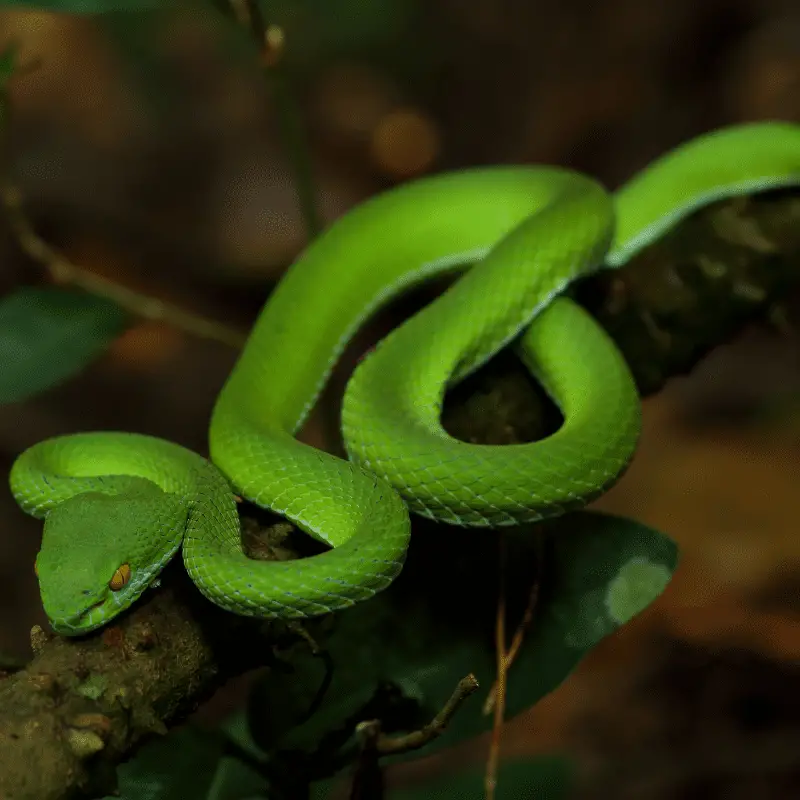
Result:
[
  {"x": 85, "y": 620},
  {"x": 96, "y": 607},
  {"x": 99, "y": 553}
]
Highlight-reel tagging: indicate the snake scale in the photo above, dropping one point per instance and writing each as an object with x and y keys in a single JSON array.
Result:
[{"x": 118, "y": 506}]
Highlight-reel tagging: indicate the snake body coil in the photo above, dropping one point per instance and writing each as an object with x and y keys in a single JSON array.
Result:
[{"x": 118, "y": 506}]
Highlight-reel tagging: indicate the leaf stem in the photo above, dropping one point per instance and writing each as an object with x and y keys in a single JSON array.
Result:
[
  {"x": 392, "y": 745},
  {"x": 63, "y": 271},
  {"x": 271, "y": 43}
]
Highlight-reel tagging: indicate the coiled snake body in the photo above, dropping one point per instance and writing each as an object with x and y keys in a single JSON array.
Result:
[{"x": 117, "y": 506}]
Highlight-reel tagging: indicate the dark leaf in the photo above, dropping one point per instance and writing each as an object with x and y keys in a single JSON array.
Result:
[
  {"x": 400, "y": 656},
  {"x": 47, "y": 335},
  {"x": 188, "y": 764}
]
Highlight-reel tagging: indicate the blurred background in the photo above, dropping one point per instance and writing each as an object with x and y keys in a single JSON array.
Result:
[{"x": 148, "y": 148}]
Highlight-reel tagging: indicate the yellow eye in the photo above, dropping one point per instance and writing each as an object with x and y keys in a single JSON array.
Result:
[{"x": 120, "y": 578}]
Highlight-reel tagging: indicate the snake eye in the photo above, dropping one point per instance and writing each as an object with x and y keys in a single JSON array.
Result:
[{"x": 120, "y": 578}]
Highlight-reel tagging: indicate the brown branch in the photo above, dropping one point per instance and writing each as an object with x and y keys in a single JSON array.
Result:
[
  {"x": 368, "y": 779},
  {"x": 502, "y": 661},
  {"x": 522, "y": 629},
  {"x": 394, "y": 745},
  {"x": 82, "y": 705},
  {"x": 730, "y": 264},
  {"x": 496, "y": 698},
  {"x": 63, "y": 271}
]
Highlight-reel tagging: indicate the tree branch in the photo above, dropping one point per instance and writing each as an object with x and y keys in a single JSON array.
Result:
[
  {"x": 368, "y": 780},
  {"x": 726, "y": 266},
  {"x": 63, "y": 271}
]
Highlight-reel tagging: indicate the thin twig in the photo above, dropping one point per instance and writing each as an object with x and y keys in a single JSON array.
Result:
[
  {"x": 496, "y": 699},
  {"x": 493, "y": 759},
  {"x": 523, "y": 627},
  {"x": 369, "y": 781},
  {"x": 392, "y": 745},
  {"x": 271, "y": 43},
  {"x": 294, "y": 140},
  {"x": 368, "y": 778},
  {"x": 63, "y": 271}
]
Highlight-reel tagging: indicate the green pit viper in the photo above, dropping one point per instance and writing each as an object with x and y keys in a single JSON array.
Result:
[{"x": 117, "y": 506}]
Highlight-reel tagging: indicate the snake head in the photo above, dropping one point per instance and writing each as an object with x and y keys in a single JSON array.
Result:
[{"x": 100, "y": 552}]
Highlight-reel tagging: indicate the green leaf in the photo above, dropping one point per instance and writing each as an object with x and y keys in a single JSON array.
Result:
[
  {"x": 435, "y": 625},
  {"x": 539, "y": 778},
  {"x": 188, "y": 764},
  {"x": 181, "y": 765},
  {"x": 47, "y": 335}
]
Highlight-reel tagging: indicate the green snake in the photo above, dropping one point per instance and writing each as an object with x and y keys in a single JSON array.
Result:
[{"x": 117, "y": 506}]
